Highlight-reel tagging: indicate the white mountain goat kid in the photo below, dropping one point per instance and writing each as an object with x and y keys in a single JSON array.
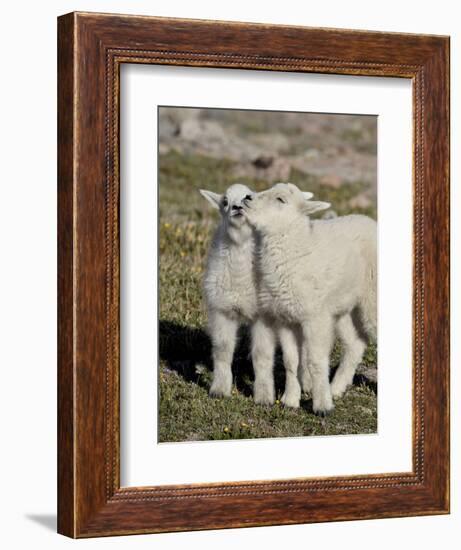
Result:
[
  {"x": 231, "y": 299},
  {"x": 318, "y": 277}
]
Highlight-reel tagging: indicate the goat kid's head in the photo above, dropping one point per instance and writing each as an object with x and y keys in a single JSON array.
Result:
[
  {"x": 273, "y": 209},
  {"x": 230, "y": 204}
]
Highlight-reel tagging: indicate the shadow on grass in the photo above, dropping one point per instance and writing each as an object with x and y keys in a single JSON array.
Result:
[{"x": 187, "y": 351}]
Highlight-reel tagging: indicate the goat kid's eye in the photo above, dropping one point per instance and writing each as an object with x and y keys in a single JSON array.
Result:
[
  {"x": 225, "y": 203},
  {"x": 248, "y": 198},
  {"x": 280, "y": 200}
]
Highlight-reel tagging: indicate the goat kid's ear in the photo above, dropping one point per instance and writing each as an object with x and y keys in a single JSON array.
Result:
[
  {"x": 213, "y": 198},
  {"x": 310, "y": 207},
  {"x": 292, "y": 187}
]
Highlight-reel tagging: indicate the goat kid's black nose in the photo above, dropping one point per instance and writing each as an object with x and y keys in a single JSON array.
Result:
[{"x": 237, "y": 207}]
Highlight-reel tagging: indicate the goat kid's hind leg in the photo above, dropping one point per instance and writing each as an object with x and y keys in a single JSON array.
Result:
[
  {"x": 304, "y": 374},
  {"x": 352, "y": 353},
  {"x": 318, "y": 336},
  {"x": 289, "y": 344},
  {"x": 262, "y": 355},
  {"x": 223, "y": 332}
]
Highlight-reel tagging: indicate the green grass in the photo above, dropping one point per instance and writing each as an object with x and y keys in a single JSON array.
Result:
[{"x": 186, "y": 413}]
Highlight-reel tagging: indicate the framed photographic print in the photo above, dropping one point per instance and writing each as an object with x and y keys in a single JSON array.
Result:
[{"x": 253, "y": 275}]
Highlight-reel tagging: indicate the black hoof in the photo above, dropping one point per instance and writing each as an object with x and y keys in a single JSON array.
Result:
[
  {"x": 218, "y": 395},
  {"x": 323, "y": 413}
]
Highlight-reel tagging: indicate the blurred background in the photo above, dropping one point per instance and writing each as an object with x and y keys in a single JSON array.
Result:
[
  {"x": 333, "y": 156},
  {"x": 336, "y": 154}
]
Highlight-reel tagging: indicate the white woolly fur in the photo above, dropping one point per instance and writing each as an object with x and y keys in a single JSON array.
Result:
[
  {"x": 229, "y": 282},
  {"x": 231, "y": 298},
  {"x": 315, "y": 279}
]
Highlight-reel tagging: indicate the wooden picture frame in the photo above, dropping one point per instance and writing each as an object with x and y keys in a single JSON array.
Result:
[{"x": 92, "y": 48}]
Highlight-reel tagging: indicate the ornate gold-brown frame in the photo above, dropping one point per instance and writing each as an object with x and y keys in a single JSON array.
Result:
[{"x": 91, "y": 49}]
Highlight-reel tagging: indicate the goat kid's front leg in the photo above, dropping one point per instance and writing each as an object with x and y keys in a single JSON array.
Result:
[
  {"x": 290, "y": 350},
  {"x": 223, "y": 332},
  {"x": 262, "y": 354},
  {"x": 318, "y": 335}
]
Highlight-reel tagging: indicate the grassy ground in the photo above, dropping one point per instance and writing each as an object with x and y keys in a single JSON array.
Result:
[{"x": 186, "y": 412}]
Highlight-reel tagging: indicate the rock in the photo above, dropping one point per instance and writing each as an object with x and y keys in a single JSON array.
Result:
[
  {"x": 277, "y": 170},
  {"x": 368, "y": 376},
  {"x": 263, "y": 162},
  {"x": 171, "y": 119},
  {"x": 163, "y": 148},
  {"x": 312, "y": 154},
  {"x": 338, "y": 169},
  {"x": 273, "y": 143},
  {"x": 201, "y": 131},
  {"x": 331, "y": 180},
  {"x": 179, "y": 114},
  {"x": 168, "y": 128},
  {"x": 370, "y": 373},
  {"x": 360, "y": 201}
]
